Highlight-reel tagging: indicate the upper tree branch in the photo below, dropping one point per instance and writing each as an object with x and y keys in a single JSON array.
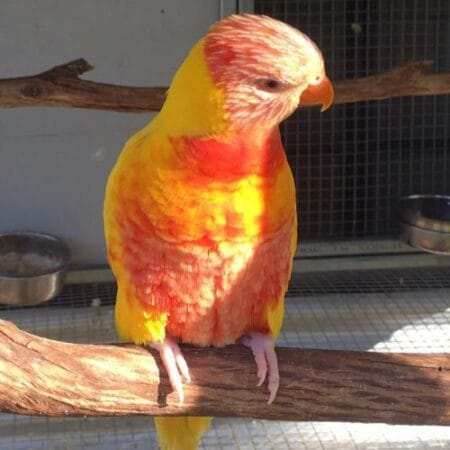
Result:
[
  {"x": 61, "y": 86},
  {"x": 408, "y": 79},
  {"x": 44, "y": 377}
]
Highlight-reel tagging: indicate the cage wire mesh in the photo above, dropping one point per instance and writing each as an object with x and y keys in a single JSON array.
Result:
[{"x": 354, "y": 162}]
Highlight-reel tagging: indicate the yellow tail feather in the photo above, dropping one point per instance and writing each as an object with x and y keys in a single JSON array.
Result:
[{"x": 181, "y": 433}]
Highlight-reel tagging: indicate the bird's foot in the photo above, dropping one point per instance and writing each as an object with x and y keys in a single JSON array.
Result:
[
  {"x": 263, "y": 348},
  {"x": 174, "y": 363}
]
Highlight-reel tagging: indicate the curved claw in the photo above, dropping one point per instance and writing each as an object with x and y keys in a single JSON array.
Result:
[
  {"x": 175, "y": 364},
  {"x": 263, "y": 349}
]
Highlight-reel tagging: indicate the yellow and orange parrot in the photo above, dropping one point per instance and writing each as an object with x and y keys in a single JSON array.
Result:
[{"x": 200, "y": 210}]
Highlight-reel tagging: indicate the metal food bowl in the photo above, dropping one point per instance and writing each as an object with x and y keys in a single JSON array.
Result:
[
  {"x": 425, "y": 222},
  {"x": 32, "y": 267}
]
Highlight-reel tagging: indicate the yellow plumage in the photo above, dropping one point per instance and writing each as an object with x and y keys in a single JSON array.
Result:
[{"x": 181, "y": 433}]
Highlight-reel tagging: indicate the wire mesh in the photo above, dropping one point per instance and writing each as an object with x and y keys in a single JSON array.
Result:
[
  {"x": 99, "y": 294},
  {"x": 404, "y": 310},
  {"x": 354, "y": 162}
]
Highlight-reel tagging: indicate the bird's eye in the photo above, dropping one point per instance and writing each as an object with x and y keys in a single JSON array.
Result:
[{"x": 270, "y": 84}]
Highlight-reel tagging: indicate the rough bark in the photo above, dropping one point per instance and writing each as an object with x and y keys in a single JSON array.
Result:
[
  {"x": 408, "y": 79},
  {"x": 62, "y": 87},
  {"x": 44, "y": 377}
]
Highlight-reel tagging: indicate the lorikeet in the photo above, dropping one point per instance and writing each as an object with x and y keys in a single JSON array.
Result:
[{"x": 200, "y": 209}]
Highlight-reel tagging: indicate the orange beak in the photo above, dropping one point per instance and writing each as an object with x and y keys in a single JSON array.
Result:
[{"x": 318, "y": 94}]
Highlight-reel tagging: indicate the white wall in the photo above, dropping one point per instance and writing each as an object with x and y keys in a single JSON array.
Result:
[{"x": 54, "y": 162}]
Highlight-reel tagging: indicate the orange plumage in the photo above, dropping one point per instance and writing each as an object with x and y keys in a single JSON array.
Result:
[
  {"x": 190, "y": 249},
  {"x": 200, "y": 215}
]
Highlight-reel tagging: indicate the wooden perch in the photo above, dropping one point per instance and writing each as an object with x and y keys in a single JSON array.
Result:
[
  {"x": 408, "y": 79},
  {"x": 43, "y": 377},
  {"x": 62, "y": 87}
]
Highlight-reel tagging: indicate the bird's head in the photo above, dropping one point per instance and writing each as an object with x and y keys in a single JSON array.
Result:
[
  {"x": 265, "y": 68},
  {"x": 248, "y": 71}
]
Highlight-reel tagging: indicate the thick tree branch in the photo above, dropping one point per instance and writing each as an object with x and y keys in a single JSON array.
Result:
[
  {"x": 408, "y": 79},
  {"x": 61, "y": 86},
  {"x": 44, "y": 377}
]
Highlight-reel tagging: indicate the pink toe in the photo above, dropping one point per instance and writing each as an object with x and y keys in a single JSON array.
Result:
[
  {"x": 256, "y": 344},
  {"x": 262, "y": 346},
  {"x": 274, "y": 375},
  {"x": 181, "y": 362},
  {"x": 261, "y": 365},
  {"x": 170, "y": 355},
  {"x": 168, "y": 359}
]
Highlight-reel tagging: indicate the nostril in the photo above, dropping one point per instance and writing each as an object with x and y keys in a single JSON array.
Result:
[{"x": 317, "y": 79}]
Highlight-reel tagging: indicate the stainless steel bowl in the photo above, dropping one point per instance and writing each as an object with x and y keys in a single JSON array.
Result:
[
  {"x": 425, "y": 222},
  {"x": 32, "y": 267}
]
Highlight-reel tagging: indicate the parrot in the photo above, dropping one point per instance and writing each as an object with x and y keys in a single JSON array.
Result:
[{"x": 200, "y": 211}]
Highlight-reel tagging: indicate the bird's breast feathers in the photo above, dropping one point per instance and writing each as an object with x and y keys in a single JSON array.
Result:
[{"x": 213, "y": 255}]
